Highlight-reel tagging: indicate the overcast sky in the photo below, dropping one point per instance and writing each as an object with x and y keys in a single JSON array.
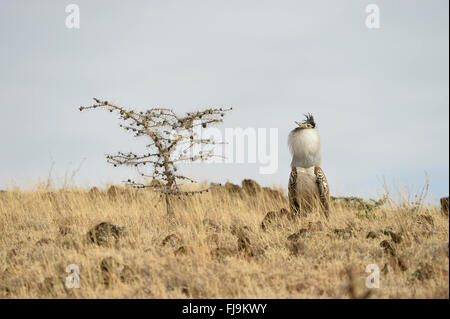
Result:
[{"x": 380, "y": 96}]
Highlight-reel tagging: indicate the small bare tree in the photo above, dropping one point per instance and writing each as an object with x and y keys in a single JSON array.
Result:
[{"x": 173, "y": 139}]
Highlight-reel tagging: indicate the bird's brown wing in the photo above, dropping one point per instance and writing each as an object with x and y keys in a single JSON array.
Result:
[
  {"x": 292, "y": 192},
  {"x": 324, "y": 190}
]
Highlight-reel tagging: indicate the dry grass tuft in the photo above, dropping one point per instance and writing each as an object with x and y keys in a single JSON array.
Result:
[{"x": 218, "y": 247}]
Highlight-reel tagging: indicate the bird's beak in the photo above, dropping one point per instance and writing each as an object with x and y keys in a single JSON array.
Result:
[{"x": 301, "y": 125}]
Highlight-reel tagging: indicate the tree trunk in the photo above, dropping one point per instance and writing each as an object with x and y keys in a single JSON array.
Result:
[{"x": 169, "y": 208}]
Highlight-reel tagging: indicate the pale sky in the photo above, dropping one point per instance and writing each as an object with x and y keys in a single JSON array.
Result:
[{"x": 380, "y": 96}]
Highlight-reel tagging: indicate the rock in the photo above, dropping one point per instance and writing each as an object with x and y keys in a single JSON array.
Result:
[
  {"x": 192, "y": 292},
  {"x": 173, "y": 240},
  {"x": 371, "y": 235},
  {"x": 104, "y": 233},
  {"x": 272, "y": 217},
  {"x": 44, "y": 241},
  {"x": 65, "y": 230},
  {"x": 70, "y": 244},
  {"x": 297, "y": 248},
  {"x": 251, "y": 187},
  {"x": 343, "y": 233},
  {"x": 243, "y": 241},
  {"x": 112, "y": 270},
  {"x": 244, "y": 244},
  {"x": 254, "y": 251},
  {"x": 283, "y": 212},
  {"x": 302, "y": 233},
  {"x": 444, "y": 205},
  {"x": 127, "y": 275},
  {"x": 268, "y": 219},
  {"x": 182, "y": 250},
  {"x": 315, "y": 227},
  {"x": 396, "y": 238},
  {"x": 402, "y": 264},
  {"x": 388, "y": 249},
  {"x": 424, "y": 272},
  {"x": 232, "y": 188}
]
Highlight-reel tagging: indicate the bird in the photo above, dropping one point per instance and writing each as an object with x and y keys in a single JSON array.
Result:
[{"x": 308, "y": 187}]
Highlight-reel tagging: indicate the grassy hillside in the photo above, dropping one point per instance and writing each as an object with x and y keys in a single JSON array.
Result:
[{"x": 216, "y": 248}]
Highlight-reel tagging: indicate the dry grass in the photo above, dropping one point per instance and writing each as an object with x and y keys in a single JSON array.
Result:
[{"x": 218, "y": 249}]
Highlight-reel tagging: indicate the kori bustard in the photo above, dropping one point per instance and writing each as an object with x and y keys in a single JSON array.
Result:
[{"x": 308, "y": 187}]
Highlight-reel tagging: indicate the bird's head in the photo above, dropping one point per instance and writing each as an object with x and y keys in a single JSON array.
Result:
[{"x": 308, "y": 123}]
